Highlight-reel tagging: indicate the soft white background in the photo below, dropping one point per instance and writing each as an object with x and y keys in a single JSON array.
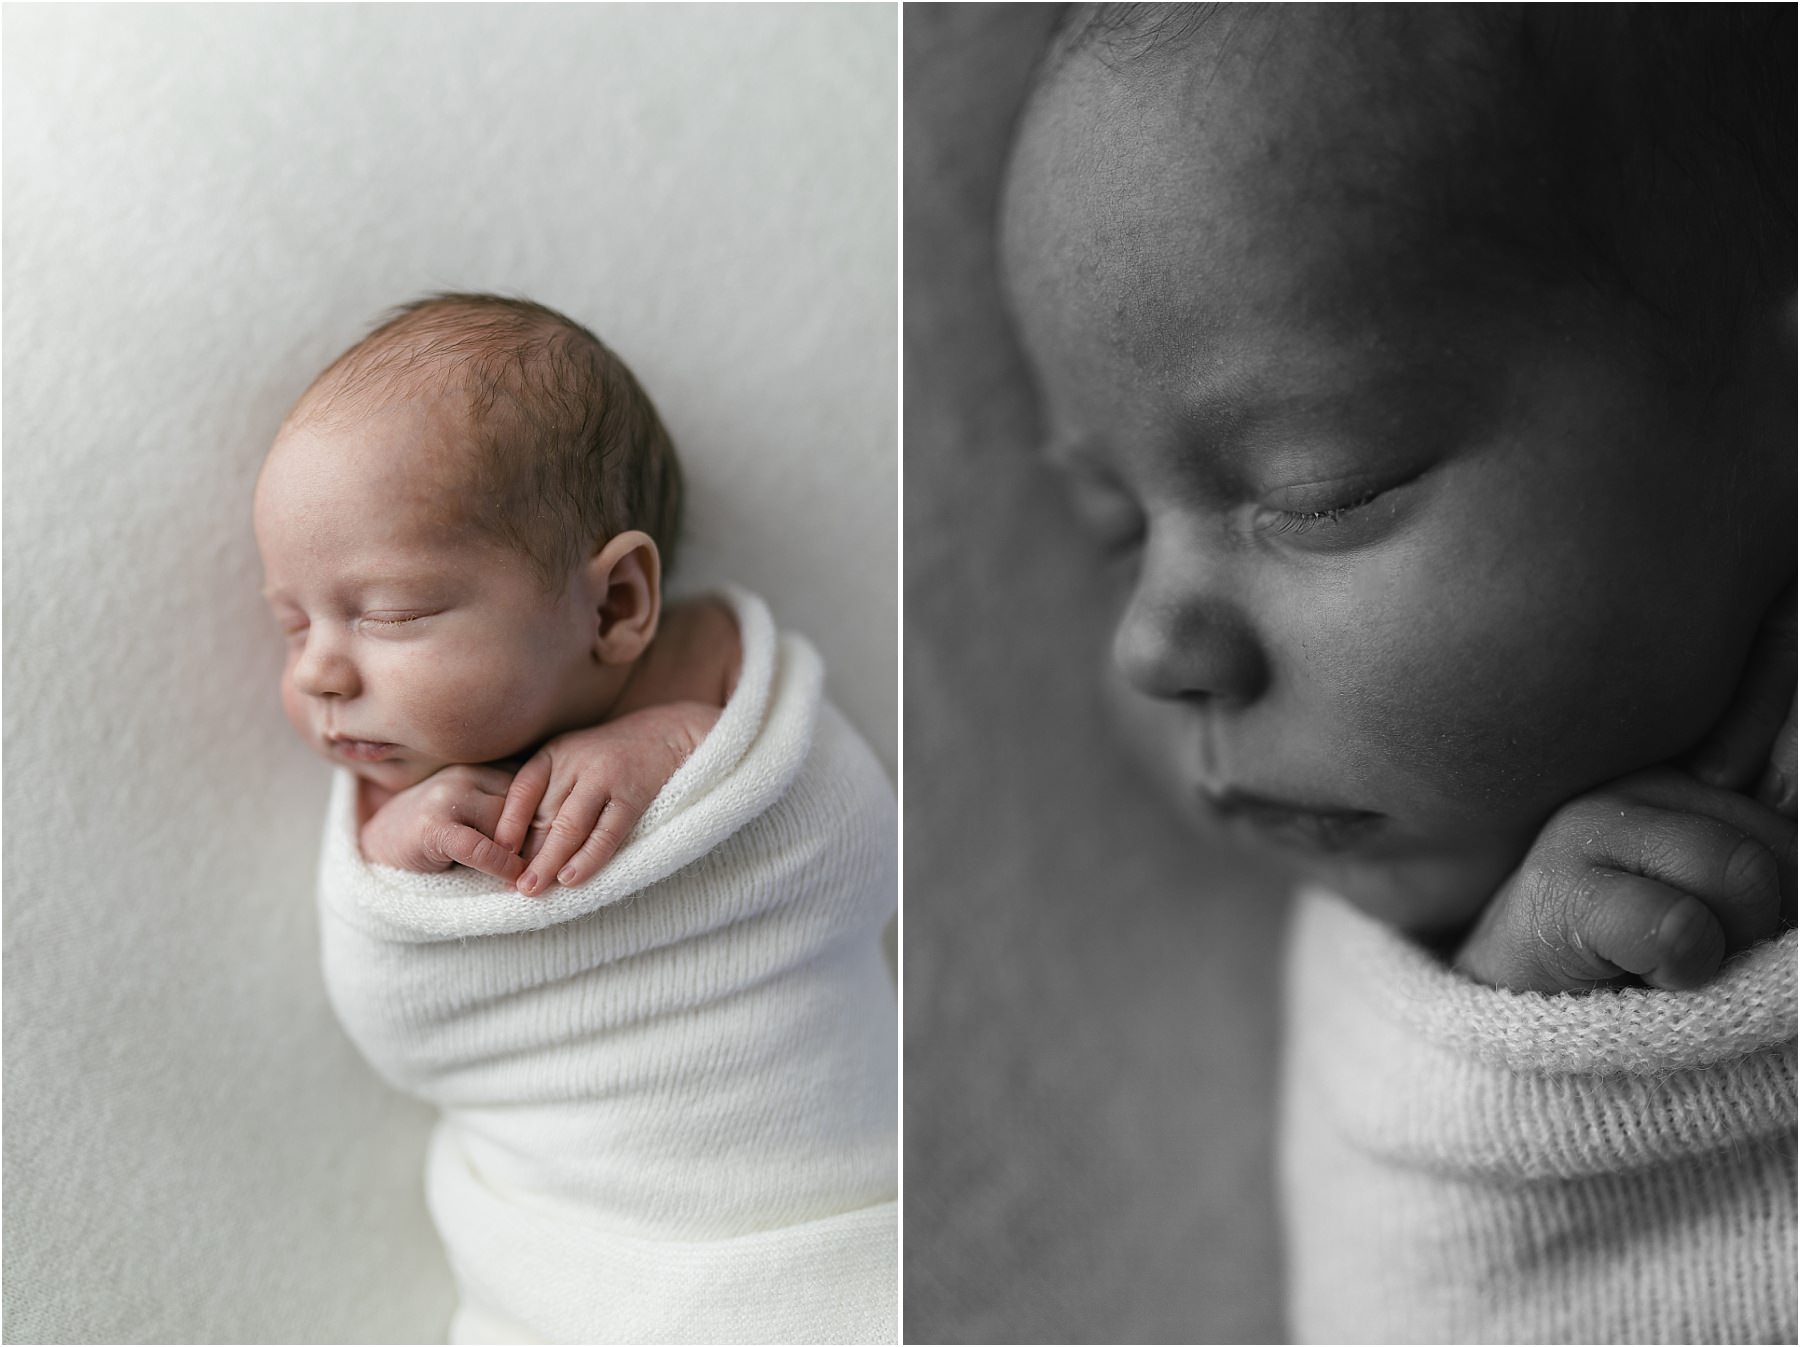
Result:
[{"x": 203, "y": 205}]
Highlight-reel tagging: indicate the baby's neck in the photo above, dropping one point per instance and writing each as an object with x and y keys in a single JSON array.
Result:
[{"x": 694, "y": 658}]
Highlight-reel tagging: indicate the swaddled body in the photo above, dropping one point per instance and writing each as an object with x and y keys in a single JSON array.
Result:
[
  {"x": 1465, "y": 1163},
  {"x": 668, "y": 1094},
  {"x": 666, "y": 1069}
]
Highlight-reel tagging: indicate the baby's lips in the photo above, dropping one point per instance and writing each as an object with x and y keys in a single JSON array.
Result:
[{"x": 361, "y": 750}]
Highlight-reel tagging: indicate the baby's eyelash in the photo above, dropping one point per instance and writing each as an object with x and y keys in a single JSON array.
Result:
[
  {"x": 399, "y": 620},
  {"x": 1299, "y": 521}
]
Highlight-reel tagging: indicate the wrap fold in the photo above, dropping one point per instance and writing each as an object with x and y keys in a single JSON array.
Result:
[
  {"x": 668, "y": 1095},
  {"x": 1467, "y": 1164}
]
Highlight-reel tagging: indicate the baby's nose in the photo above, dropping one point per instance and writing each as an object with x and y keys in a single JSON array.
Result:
[
  {"x": 323, "y": 671},
  {"x": 1173, "y": 645}
]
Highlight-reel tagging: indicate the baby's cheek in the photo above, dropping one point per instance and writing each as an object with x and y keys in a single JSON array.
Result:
[
  {"x": 467, "y": 713},
  {"x": 1502, "y": 689}
]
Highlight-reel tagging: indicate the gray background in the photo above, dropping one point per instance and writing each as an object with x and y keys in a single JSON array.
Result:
[{"x": 1090, "y": 993}]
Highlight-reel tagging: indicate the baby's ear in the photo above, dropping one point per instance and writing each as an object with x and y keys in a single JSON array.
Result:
[{"x": 625, "y": 581}]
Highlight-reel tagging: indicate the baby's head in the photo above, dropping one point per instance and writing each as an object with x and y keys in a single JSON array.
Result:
[
  {"x": 1426, "y": 372},
  {"x": 464, "y": 523}
]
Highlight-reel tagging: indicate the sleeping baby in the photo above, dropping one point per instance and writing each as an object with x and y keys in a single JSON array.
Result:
[
  {"x": 1425, "y": 374},
  {"x": 603, "y": 880}
]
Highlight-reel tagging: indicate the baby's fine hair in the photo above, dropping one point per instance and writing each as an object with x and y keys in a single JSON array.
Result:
[
  {"x": 1644, "y": 149},
  {"x": 569, "y": 449}
]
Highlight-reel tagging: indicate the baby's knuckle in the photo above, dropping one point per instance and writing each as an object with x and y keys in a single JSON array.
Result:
[
  {"x": 627, "y": 800},
  {"x": 1660, "y": 851},
  {"x": 1542, "y": 896},
  {"x": 1562, "y": 926},
  {"x": 1581, "y": 823},
  {"x": 1584, "y": 892}
]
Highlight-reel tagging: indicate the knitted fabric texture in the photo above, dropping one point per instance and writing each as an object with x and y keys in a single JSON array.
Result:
[
  {"x": 668, "y": 1095},
  {"x": 1465, "y": 1164}
]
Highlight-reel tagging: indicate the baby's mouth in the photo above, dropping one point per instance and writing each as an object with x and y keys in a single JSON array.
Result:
[
  {"x": 1293, "y": 825},
  {"x": 360, "y": 750}
]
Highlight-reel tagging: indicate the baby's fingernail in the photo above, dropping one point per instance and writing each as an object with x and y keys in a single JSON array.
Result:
[
  {"x": 1776, "y": 789},
  {"x": 567, "y": 876},
  {"x": 1709, "y": 770},
  {"x": 528, "y": 885},
  {"x": 1695, "y": 947}
]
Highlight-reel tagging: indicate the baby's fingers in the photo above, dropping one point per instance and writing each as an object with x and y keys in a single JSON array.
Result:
[
  {"x": 1731, "y": 853},
  {"x": 463, "y": 845},
  {"x": 1659, "y": 876},
  {"x": 571, "y": 827},
  {"x": 615, "y": 825},
  {"x": 1668, "y": 938},
  {"x": 1735, "y": 750},
  {"x": 1557, "y": 931},
  {"x": 522, "y": 800},
  {"x": 1776, "y": 789},
  {"x": 1528, "y": 939}
]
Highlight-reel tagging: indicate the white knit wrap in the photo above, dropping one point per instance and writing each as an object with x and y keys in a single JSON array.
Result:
[
  {"x": 1463, "y": 1164},
  {"x": 668, "y": 1095}
]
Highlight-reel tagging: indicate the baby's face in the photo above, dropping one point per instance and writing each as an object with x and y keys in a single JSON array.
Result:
[
  {"x": 412, "y": 642},
  {"x": 1401, "y": 564}
]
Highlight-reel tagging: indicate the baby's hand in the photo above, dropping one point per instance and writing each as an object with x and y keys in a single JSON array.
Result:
[
  {"x": 1657, "y": 875},
  {"x": 445, "y": 820},
  {"x": 576, "y": 800},
  {"x": 1752, "y": 747}
]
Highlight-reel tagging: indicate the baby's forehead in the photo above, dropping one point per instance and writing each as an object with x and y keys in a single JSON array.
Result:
[
  {"x": 417, "y": 451},
  {"x": 1165, "y": 179},
  {"x": 1289, "y": 93}
]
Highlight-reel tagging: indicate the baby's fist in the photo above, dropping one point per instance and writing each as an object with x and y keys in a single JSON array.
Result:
[
  {"x": 1656, "y": 875},
  {"x": 447, "y": 819}
]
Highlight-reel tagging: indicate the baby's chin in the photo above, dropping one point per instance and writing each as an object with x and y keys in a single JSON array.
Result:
[
  {"x": 1431, "y": 894},
  {"x": 392, "y": 775}
]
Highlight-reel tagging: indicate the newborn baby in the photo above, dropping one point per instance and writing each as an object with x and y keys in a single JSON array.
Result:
[
  {"x": 1425, "y": 375},
  {"x": 603, "y": 881}
]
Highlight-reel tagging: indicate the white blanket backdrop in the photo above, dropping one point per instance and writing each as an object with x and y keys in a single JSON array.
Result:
[{"x": 204, "y": 204}]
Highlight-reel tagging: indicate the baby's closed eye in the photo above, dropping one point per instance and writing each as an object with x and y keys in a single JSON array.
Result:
[
  {"x": 395, "y": 620},
  {"x": 1338, "y": 515}
]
